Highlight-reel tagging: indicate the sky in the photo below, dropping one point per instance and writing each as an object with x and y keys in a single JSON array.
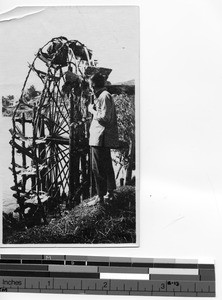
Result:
[{"x": 112, "y": 32}]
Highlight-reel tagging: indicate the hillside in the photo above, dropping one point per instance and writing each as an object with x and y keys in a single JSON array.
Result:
[
  {"x": 129, "y": 82},
  {"x": 87, "y": 223}
]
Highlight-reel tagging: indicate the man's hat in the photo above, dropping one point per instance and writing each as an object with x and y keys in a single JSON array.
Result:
[{"x": 90, "y": 71}]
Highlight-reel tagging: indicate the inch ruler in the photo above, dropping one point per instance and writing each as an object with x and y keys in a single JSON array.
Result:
[{"x": 106, "y": 275}]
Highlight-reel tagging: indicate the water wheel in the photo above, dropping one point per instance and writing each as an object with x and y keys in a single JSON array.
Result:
[{"x": 50, "y": 153}]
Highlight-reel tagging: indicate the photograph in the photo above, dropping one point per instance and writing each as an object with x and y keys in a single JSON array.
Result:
[
  {"x": 69, "y": 86},
  {"x": 110, "y": 149}
]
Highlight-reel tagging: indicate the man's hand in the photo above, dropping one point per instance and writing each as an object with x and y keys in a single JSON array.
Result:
[{"x": 91, "y": 108}]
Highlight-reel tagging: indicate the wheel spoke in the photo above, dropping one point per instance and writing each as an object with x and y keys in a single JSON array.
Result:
[
  {"x": 49, "y": 170},
  {"x": 65, "y": 172},
  {"x": 60, "y": 112},
  {"x": 57, "y": 177},
  {"x": 61, "y": 96},
  {"x": 56, "y": 124},
  {"x": 57, "y": 101},
  {"x": 63, "y": 121},
  {"x": 65, "y": 146},
  {"x": 62, "y": 167},
  {"x": 41, "y": 103}
]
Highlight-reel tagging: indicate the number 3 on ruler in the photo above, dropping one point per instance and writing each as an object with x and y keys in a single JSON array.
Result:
[{"x": 162, "y": 286}]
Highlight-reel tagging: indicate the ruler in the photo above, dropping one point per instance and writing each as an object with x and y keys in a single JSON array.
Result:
[{"x": 106, "y": 275}]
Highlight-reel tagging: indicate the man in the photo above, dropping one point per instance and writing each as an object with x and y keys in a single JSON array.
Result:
[{"x": 103, "y": 137}]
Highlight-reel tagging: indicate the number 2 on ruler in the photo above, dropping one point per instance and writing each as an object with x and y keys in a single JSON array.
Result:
[{"x": 105, "y": 284}]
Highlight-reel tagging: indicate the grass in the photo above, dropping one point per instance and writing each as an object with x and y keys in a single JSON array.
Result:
[{"x": 85, "y": 224}]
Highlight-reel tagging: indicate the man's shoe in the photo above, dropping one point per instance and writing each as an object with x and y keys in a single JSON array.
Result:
[
  {"x": 109, "y": 196},
  {"x": 95, "y": 200},
  {"x": 100, "y": 200}
]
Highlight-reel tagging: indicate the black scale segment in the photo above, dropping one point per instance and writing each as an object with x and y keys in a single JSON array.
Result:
[
  {"x": 206, "y": 266},
  {"x": 53, "y": 262},
  {"x": 24, "y": 273},
  {"x": 97, "y": 263},
  {"x": 23, "y": 267},
  {"x": 143, "y": 265},
  {"x": 77, "y": 263},
  {"x": 10, "y": 261},
  {"x": 120, "y": 264},
  {"x": 32, "y": 262},
  {"x": 74, "y": 275}
]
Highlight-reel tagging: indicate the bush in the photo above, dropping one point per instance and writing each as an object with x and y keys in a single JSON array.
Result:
[{"x": 125, "y": 107}]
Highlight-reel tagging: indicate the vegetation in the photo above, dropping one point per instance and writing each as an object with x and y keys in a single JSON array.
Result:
[
  {"x": 8, "y": 102},
  {"x": 31, "y": 93},
  {"x": 125, "y": 106},
  {"x": 86, "y": 223}
]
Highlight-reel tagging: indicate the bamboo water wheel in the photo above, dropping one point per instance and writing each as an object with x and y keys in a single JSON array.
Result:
[{"x": 50, "y": 153}]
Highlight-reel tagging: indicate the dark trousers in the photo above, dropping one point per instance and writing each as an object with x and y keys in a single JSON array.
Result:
[{"x": 102, "y": 169}]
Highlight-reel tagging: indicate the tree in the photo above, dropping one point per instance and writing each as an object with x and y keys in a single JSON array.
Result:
[
  {"x": 7, "y": 101},
  {"x": 31, "y": 93}
]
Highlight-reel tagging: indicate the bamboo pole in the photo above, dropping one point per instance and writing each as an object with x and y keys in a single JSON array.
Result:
[
  {"x": 71, "y": 152},
  {"x": 42, "y": 152},
  {"x": 23, "y": 154}
]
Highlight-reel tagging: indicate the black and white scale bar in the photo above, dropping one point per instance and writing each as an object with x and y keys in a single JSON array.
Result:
[
  {"x": 106, "y": 275},
  {"x": 96, "y": 272}
]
